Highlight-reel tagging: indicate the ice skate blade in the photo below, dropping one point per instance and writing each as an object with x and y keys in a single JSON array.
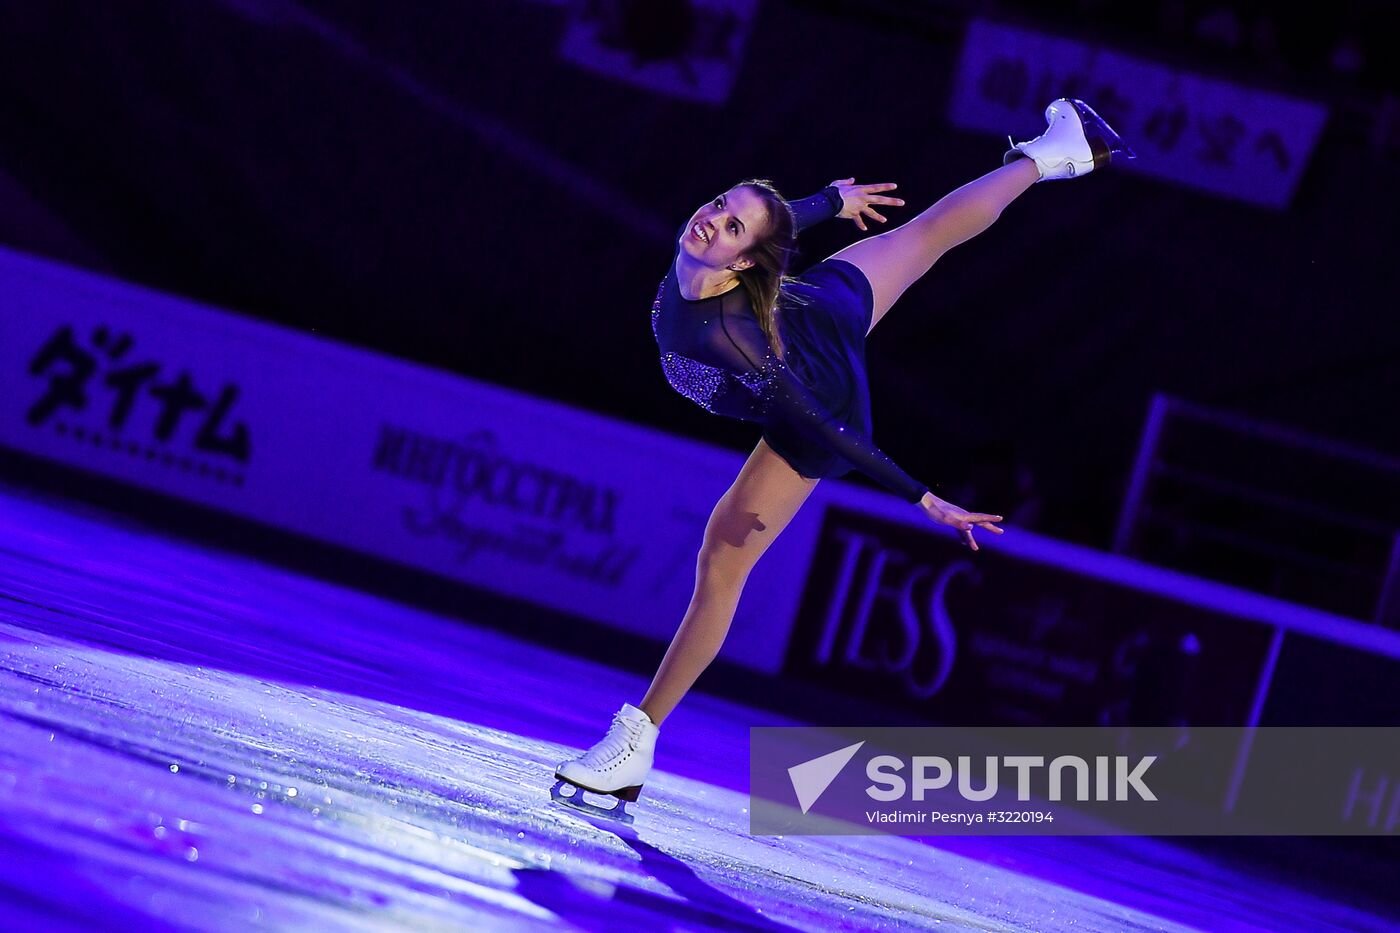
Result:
[
  {"x": 575, "y": 801},
  {"x": 1103, "y": 140}
]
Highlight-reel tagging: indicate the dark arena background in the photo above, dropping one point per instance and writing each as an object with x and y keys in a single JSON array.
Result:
[{"x": 342, "y": 495}]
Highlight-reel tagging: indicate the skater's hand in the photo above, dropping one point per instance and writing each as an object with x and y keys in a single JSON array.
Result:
[
  {"x": 945, "y": 513},
  {"x": 856, "y": 200}
]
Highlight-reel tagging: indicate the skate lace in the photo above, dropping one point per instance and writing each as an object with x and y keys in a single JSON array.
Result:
[{"x": 622, "y": 736}]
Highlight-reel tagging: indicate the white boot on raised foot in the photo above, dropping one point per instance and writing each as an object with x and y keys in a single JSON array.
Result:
[
  {"x": 1076, "y": 142},
  {"x": 618, "y": 765}
]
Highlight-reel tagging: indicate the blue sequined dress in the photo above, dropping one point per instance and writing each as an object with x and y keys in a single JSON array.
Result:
[{"x": 815, "y": 405}]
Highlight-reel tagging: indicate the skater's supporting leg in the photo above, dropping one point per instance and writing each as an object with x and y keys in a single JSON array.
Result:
[
  {"x": 895, "y": 259},
  {"x": 747, "y": 518}
]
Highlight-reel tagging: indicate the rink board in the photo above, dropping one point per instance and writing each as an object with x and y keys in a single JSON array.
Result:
[{"x": 545, "y": 502}]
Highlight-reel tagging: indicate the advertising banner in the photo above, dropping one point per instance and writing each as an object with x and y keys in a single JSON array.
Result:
[
  {"x": 894, "y": 613},
  {"x": 690, "y": 50},
  {"x": 1202, "y": 132},
  {"x": 521, "y": 496}
]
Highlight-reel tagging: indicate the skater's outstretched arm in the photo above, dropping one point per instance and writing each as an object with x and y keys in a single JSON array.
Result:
[
  {"x": 841, "y": 198},
  {"x": 823, "y": 205},
  {"x": 857, "y": 200}
]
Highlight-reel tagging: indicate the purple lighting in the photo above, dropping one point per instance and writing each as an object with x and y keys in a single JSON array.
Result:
[{"x": 202, "y": 740}]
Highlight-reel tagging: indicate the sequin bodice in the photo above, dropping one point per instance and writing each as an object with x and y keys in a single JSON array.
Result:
[{"x": 715, "y": 388}]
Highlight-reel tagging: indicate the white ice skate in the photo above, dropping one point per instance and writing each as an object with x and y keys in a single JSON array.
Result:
[
  {"x": 1076, "y": 142},
  {"x": 618, "y": 765}
]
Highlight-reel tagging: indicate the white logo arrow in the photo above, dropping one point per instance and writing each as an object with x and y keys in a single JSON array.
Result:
[{"x": 811, "y": 778}]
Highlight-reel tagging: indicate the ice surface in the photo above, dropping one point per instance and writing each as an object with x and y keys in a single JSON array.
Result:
[{"x": 196, "y": 739}]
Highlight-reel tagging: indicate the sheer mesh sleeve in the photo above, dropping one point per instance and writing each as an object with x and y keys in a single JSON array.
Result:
[
  {"x": 742, "y": 346},
  {"x": 823, "y": 205}
]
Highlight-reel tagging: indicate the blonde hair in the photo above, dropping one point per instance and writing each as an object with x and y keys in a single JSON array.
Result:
[{"x": 771, "y": 254}]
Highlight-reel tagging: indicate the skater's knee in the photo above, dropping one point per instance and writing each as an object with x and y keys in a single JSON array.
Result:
[{"x": 722, "y": 565}]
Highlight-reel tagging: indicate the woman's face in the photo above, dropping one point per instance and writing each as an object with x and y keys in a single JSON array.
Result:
[{"x": 720, "y": 232}]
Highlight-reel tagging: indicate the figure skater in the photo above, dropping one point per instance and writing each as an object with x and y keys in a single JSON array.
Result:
[{"x": 741, "y": 338}]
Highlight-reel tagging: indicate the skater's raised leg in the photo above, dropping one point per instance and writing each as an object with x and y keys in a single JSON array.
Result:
[
  {"x": 1076, "y": 141},
  {"x": 895, "y": 259}
]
